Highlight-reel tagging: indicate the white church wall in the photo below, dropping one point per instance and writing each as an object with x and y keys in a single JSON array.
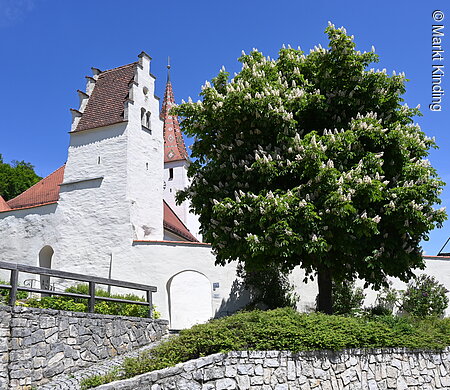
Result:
[
  {"x": 145, "y": 158},
  {"x": 307, "y": 292},
  {"x": 174, "y": 181},
  {"x": 178, "y": 181},
  {"x": 156, "y": 263},
  {"x": 24, "y": 233},
  {"x": 93, "y": 216}
]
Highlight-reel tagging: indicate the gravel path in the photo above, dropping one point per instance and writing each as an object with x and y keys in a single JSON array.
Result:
[{"x": 72, "y": 381}]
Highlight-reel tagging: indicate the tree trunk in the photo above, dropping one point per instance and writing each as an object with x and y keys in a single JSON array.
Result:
[{"x": 325, "y": 300}]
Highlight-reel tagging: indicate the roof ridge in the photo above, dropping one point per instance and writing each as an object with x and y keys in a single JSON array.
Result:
[
  {"x": 118, "y": 67},
  {"x": 35, "y": 184}
]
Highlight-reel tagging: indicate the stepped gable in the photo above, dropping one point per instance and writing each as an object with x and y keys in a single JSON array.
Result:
[
  {"x": 44, "y": 191},
  {"x": 174, "y": 224},
  {"x": 3, "y": 205},
  {"x": 174, "y": 147},
  {"x": 105, "y": 105}
]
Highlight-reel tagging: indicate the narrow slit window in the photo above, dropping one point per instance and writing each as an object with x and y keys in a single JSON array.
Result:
[
  {"x": 99, "y": 160},
  {"x": 143, "y": 117},
  {"x": 170, "y": 173}
]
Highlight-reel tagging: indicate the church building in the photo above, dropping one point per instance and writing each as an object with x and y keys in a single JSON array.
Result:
[{"x": 110, "y": 211}]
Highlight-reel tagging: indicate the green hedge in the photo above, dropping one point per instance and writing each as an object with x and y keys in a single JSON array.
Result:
[
  {"x": 286, "y": 329},
  {"x": 101, "y": 307}
]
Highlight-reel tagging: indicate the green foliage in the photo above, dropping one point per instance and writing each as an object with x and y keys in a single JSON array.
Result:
[
  {"x": 386, "y": 301},
  {"x": 347, "y": 299},
  {"x": 425, "y": 296},
  {"x": 101, "y": 307},
  {"x": 16, "y": 178},
  {"x": 4, "y": 293},
  {"x": 286, "y": 329},
  {"x": 312, "y": 160},
  {"x": 57, "y": 303},
  {"x": 269, "y": 288},
  {"x": 97, "y": 380}
]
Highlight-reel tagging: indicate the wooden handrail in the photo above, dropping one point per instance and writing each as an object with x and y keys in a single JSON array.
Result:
[{"x": 91, "y": 280}]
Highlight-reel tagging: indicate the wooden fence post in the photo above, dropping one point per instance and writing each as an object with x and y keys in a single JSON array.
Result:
[
  {"x": 91, "y": 303},
  {"x": 150, "y": 304},
  {"x": 13, "y": 282}
]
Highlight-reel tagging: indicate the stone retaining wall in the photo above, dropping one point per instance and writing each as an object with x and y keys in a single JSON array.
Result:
[
  {"x": 320, "y": 370},
  {"x": 36, "y": 344}
]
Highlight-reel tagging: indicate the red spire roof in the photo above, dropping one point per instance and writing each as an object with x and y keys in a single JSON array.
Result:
[{"x": 174, "y": 147}]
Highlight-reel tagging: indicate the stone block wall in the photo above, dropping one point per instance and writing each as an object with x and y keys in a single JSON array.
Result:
[
  {"x": 36, "y": 344},
  {"x": 320, "y": 370}
]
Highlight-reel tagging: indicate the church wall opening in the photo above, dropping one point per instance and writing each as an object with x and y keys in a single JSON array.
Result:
[
  {"x": 45, "y": 260},
  {"x": 190, "y": 299}
]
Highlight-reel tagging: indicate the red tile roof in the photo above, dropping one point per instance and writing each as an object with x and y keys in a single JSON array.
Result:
[
  {"x": 174, "y": 224},
  {"x": 174, "y": 147},
  {"x": 106, "y": 102},
  {"x": 3, "y": 205},
  {"x": 47, "y": 191},
  {"x": 44, "y": 191}
]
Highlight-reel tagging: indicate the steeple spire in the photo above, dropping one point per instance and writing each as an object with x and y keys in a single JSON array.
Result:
[
  {"x": 168, "y": 69},
  {"x": 174, "y": 147}
]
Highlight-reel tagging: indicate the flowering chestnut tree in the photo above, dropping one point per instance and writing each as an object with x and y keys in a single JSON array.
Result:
[{"x": 312, "y": 161}]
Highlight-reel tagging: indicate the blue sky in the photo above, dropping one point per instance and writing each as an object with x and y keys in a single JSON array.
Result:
[{"x": 48, "y": 46}]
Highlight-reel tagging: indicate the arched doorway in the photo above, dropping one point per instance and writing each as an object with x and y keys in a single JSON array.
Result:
[
  {"x": 45, "y": 260},
  {"x": 190, "y": 300}
]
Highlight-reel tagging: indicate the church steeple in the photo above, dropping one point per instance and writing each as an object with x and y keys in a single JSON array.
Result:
[{"x": 174, "y": 147}]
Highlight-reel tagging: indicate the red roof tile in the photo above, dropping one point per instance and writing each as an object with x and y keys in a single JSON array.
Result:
[
  {"x": 106, "y": 102},
  {"x": 174, "y": 147},
  {"x": 174, "y": 224},
  {"x": 3, "y": 205},
  {"x": 44, "y": 191}
]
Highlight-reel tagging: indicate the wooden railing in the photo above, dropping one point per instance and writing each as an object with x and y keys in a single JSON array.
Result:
[{"x": 92, "y": 281}]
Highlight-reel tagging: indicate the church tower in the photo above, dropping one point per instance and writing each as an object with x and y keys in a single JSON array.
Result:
[{"x": 176, "y": 160}]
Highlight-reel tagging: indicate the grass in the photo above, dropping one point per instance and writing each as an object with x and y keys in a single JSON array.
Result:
[{"x": 285, "y": 329}]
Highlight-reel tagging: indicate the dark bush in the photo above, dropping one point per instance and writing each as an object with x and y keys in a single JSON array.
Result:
[{"x": 424, "y": 296}]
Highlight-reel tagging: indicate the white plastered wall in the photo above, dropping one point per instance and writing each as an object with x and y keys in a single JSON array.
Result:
[
  {"x": 156, "y": 263},
  {"x": 179, "y": 182},
  {"x": 145, "y": 158}
]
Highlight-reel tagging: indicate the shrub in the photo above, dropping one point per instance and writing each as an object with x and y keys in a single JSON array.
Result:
[
  {"x": 97, "y": 380},
  {"x": 286, "y": 329},
  {"x": 347, "y": 299},
  {"x": 57, "y": 303},
  {"x": 101, "y": 307},
  {"x": 386, "y": 301},
  {"x": 425, "y": 296},
  {"x": 4, "y": 293},
  {"x": 269, "y": 288}
]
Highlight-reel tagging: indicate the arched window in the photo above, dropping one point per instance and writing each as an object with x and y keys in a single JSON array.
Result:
[{"x": 45, "y": 261}]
